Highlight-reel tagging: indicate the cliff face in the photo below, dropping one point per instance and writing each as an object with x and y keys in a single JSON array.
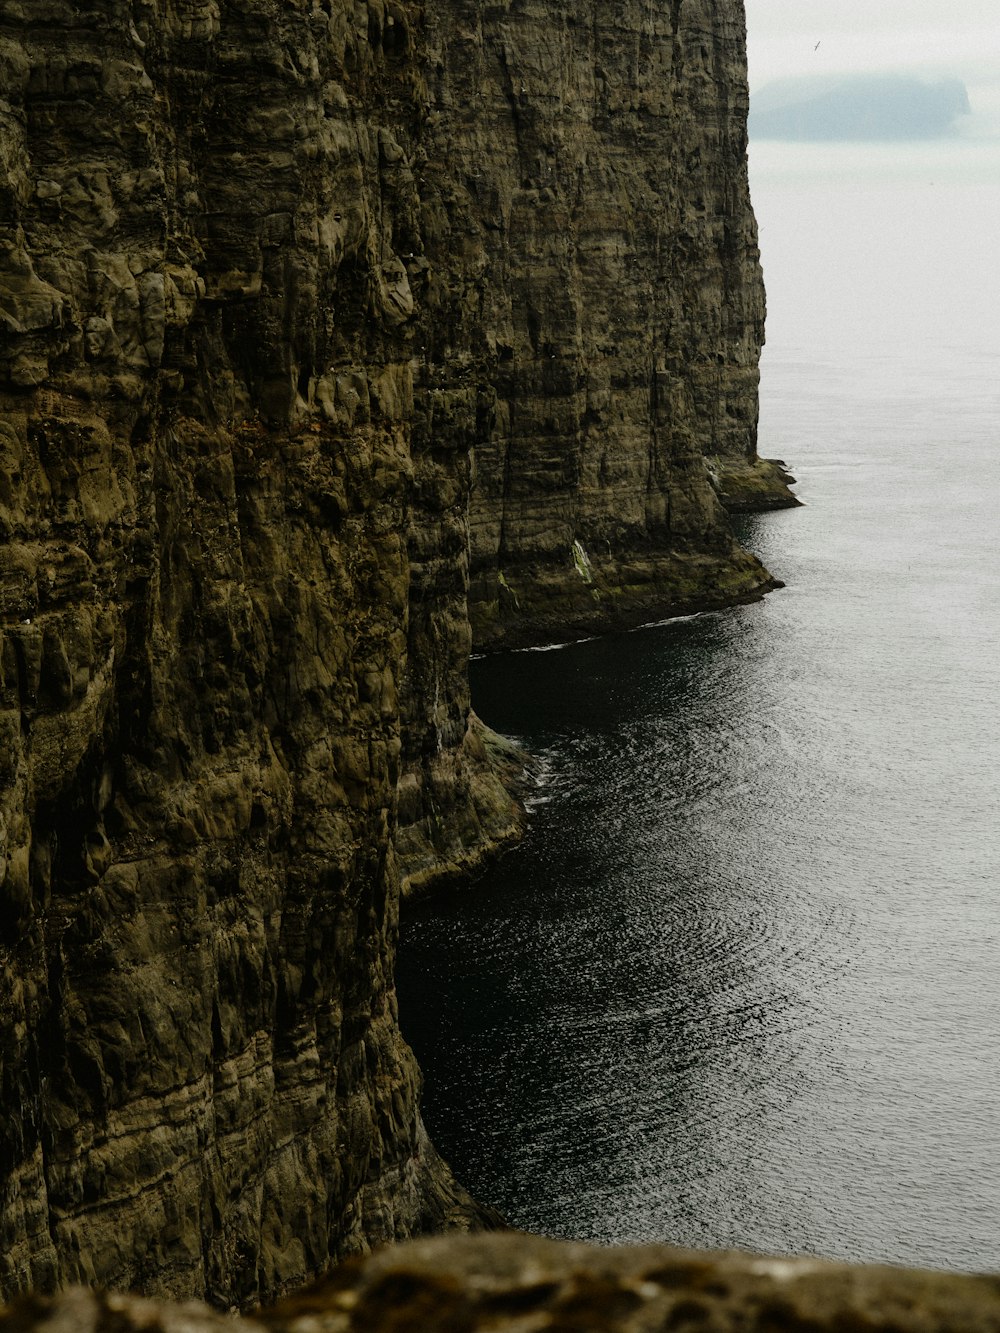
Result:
[
  {"x": 269, "y": 270},
  {"x": 205, "y": 491},
  {"x": 585, "y": 169}
]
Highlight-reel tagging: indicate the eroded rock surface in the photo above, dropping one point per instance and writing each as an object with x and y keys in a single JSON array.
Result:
[
  {"x": 271, "y": 272},
  {"x": 523, "y": 1284}
]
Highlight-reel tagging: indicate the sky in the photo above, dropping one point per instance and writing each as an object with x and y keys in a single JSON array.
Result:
[{"x": 958, "y": 38}]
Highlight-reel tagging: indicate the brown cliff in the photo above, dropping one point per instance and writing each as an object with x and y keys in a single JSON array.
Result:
[
  {"x": 206, "y": 407},
  {"x": 584, "y": 168},
  {"x": 251, "y": 334}
]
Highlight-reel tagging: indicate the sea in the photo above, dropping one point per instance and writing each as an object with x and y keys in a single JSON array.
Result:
[{"x": 740, "y": 986}]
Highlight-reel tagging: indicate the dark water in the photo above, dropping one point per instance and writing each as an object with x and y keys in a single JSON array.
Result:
[{"x": 740, "y": 986}]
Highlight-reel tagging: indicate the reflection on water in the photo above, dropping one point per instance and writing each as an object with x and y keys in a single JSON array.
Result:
[
  {"x": 740, "y": 985},
  {"x": 605, "y": 987}
]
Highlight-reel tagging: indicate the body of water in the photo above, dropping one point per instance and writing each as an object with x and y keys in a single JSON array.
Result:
[{"x": 740, "y": 985}]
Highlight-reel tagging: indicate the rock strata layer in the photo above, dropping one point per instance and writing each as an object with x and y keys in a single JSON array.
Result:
[
  {"x": 523, "y": 1284},
  {"x": 284, "y": 283}
]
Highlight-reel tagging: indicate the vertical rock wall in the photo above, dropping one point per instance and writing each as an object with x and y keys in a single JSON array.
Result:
[
  {"x": 585, "y": 175},
  {"x": 205, "y": 488},
  {"x": 281, "y": 281}
]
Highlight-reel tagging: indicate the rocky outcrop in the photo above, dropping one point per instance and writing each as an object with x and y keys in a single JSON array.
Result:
[
  {"x": 267, "y": 288},
  {"x": 509, "y": 1284},
  {"x": 750, "y": 485}
]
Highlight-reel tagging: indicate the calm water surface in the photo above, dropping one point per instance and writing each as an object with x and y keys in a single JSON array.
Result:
[{"x": 740, "y": 985}]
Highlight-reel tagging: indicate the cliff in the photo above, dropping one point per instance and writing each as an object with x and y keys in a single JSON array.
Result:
[
  {"x": 269, "y": 295},
  {"x": 207, "y": 482},
  {"x": 598, "y": 283}
]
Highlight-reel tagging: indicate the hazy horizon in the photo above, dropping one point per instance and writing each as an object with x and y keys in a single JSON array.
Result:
[{"x": 821, "y": 38}]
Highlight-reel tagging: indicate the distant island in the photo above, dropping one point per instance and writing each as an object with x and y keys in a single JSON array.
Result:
[{"x": 857, "y": 107}]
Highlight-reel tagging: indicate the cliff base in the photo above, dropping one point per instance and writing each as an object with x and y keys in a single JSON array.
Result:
[
  {"x": 747, "y": 486},
  {"x": 465, "y": 812},
  {"x": 601, "y": 594}
]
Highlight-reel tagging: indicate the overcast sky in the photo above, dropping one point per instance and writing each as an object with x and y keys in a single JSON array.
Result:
[{"x": 955, "y": 37}]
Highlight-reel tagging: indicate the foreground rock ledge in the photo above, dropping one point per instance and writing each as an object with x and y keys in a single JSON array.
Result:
[{"x": 516, "y": 1282}]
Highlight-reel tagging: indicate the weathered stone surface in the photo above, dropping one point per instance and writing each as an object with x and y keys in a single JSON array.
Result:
[
  {"x": 205, "y": 488},
  {"x": 523, "y": 1284}
]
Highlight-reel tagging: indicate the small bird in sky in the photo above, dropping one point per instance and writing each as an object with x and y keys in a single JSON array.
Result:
[{"x": 816, "y": 47}]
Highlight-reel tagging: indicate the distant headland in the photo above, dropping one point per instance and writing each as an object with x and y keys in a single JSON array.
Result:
[{"x": 858, "y": 107}]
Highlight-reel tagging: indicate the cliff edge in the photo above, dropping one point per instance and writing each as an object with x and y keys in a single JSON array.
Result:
[{"x": 513, "y": 1283}]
